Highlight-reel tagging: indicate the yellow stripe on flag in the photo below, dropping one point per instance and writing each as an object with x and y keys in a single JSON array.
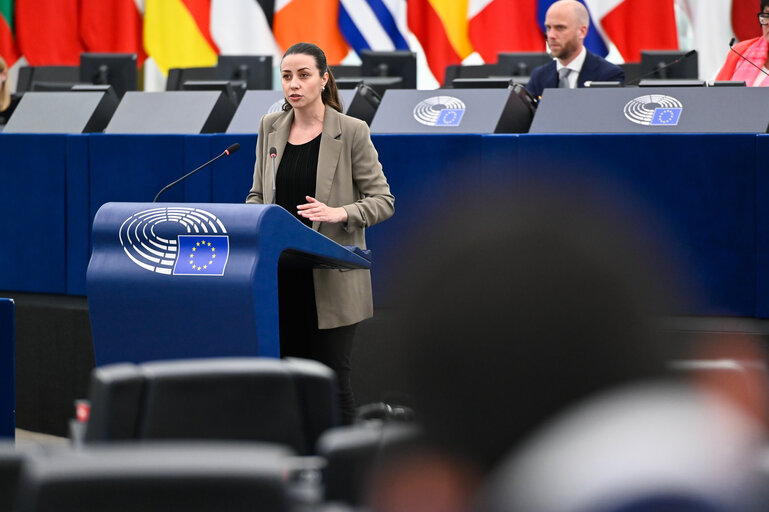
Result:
[
  {"x": 172, "y": 38},
  {"x": 453, "y": 15}
]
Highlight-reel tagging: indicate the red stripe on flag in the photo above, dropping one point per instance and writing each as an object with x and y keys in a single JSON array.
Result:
[
  {"x": 47, "y": 32},
  {"x": 636, "y": 25},
  {"x": 112, "y": 26},
  {"x": 428, "y": 27},
  {"x": 201, "y": 13},
  {"x": 506, "y": 27},
  {"x": 744, "y": 20},
  {"x": 8, "y": 49}
]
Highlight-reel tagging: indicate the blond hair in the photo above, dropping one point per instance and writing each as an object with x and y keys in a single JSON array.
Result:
[{"x": 5, "y": 90}]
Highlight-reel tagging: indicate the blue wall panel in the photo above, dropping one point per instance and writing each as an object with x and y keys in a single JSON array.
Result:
[
  {"x": 78, "y": 213},
  {"x": 32, "y": 231},
  {"x": 693, "y": 193}
]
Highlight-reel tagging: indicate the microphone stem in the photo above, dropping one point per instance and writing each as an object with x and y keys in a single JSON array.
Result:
[{"x": 187, "y": 175}]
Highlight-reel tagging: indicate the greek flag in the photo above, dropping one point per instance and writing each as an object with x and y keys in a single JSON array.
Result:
[{"x": 372, "y": 25}]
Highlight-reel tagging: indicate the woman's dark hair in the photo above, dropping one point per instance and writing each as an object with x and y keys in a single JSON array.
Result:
[
  {"x": 764, "y": 4},
  {"x": 330, "y": 95}
]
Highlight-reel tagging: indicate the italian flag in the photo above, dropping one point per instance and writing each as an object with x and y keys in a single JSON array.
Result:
[{"x": 8, "y": 49}]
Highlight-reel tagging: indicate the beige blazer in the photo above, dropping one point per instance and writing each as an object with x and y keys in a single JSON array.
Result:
[{"x": 349, "y": 175}]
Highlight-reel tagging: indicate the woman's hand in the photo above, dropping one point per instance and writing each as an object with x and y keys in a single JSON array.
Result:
[{"x": 317, "y": 211}]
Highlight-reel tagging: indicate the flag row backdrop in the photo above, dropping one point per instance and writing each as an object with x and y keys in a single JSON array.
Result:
[{"x": 190, "y": 33}]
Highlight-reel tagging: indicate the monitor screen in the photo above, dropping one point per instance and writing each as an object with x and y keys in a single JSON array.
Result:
[
  {"x": 255, "y": 70},
  {"x": 115, "y": 69},
  {"x": 659, "y": 64},
  {"x": 397, "y": 63},
  {"x": 521, "y": 63}
]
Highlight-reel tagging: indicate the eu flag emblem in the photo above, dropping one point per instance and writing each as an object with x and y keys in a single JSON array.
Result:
[
  {"x": 450, "y": 117},
  {"x": 202, "y": 255},
  {"x": 666, "y": 116}
]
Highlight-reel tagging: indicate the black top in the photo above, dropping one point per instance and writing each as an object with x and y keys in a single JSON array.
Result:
[
  {"x": 296, "y": 175},
  {"x": 6, "y": 114}
]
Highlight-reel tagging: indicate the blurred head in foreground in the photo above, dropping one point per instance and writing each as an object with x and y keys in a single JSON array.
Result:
[{"x": 515, "y": 314}]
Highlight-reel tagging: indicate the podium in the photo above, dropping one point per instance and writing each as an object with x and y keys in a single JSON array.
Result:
[{"x": 170, "y": 281}]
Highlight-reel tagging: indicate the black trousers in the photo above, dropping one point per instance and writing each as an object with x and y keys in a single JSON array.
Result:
[{"x": 300, "y": 336}]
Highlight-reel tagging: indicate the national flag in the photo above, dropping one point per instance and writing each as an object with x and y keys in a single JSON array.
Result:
[
  {"x": 8, "y": 49},
  {"x": 112, "y": 26},
  {"x": 47, "y": 32},
  {"x": 373, "y": 24},
  {"x": 635, "y": 25},
  {"x": 244, "y": 27},
  {"x": 711, "y": 30},
  {"x": 177, "y": 34},
  {"x": 310, "y": 21},
  {"x": 504, "y": 26},
  {"x": 593, "y": 41},
  {"x": 441, "y": 26},
  {"x": 202, "y": 255},
  {"x": 744, "y": 20}
]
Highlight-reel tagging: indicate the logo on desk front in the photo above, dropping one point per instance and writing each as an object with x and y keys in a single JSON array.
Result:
[
  {"x": 654, "y": 110},
  {"x": 176, "y": 240},
  {"x": 440, "y": 111}
]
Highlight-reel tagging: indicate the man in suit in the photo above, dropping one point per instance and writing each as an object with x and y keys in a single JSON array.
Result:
[{"x": 566, "y": 23}]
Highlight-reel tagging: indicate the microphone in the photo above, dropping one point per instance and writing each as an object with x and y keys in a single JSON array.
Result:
[
  {"x": 731, "y": 45},
  {"x": 230, "y": 150},
  {"x": 662, "y": 66},
  {"x": 273, "y": 156}
]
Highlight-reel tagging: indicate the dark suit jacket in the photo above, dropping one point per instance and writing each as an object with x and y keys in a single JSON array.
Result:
[{"x": 594, "y": 68}]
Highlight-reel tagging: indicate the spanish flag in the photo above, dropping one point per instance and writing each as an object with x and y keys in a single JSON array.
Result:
[
  {"x": 177, "y": 34},
  {"x": 310, "y": 21},
  {"x": 442, "y": 29}
]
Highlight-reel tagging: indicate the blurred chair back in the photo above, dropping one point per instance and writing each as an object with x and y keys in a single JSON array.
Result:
[
  {"x": 250, "y": 399},
  {"x": 157, "y": 477}
]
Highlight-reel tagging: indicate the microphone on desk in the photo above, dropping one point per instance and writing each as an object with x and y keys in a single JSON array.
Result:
[
  {"x": 662, "y": 66},
  {"x": 230, "y": 150},
  {"x": 731, "y": 47},
  {"x": 273, "y": 156}
]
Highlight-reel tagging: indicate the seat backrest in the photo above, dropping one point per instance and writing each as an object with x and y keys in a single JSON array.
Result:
[
  {"x": 115, "y": 393},
  {"x": 157, "y": 477},
  {"x": 318, "y": 400},
  {"x": 240, "y": 399}
]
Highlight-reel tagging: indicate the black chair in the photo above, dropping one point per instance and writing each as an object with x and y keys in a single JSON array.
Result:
[
  {"x": 352, "y": 452},
  {"x": 11, "y": 465},
  {"x": 288, "y": 401},
  {"x": 46, "y": 77},
  {"x": 158, "y": 477},
  {"x": 459, "y": 71}
]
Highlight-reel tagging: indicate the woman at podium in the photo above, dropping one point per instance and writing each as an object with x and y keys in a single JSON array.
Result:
[
  {"x": 748, "y": 59},
  {"x": 321, "y": 165}
]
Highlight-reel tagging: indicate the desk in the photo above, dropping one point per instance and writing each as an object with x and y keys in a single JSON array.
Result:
[{"x": 701, "y": 193}]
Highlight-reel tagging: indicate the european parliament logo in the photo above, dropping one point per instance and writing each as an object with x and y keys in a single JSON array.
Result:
[
  {"x": 654, "y": 110},
  {"x": 440, "y": 111},
  {"x": 176, "y": 241},
  {"x": 201, "y": 255}
]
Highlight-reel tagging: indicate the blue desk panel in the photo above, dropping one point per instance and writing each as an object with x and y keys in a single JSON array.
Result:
[
  {"x": 33, "y": 228},
  {"x": 700, "y": 194},
  {"x": 426, "y": 173},
  {"x": 693, "y": 193}
]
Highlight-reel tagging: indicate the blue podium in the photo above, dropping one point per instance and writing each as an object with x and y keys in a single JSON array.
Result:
[{"x": 169, "y": 281}]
